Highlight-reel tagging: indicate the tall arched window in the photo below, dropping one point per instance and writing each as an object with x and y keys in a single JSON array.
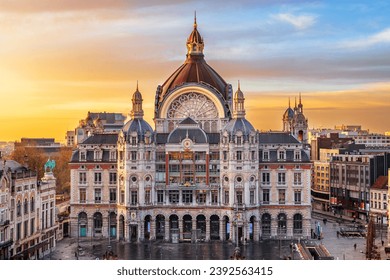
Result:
[{"x": 297, "y": 224}]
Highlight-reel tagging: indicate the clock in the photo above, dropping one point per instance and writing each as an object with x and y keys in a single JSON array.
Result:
[{"x": 187, "y": 144}]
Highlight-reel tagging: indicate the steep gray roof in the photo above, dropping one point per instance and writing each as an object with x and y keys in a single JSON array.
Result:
[
  {"x": 277, "y": 138},
  {"x": 197, "y": 135},
  {"x": 137, "y": 125},
  {"x": 11, "y": 164},
  {"x": 239, "y": 124},
  {"x": 111, "y": 138}
]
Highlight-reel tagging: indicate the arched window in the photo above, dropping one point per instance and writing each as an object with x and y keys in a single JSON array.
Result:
[
  {"x": 25, "y": 206},
  {"x": 282, "y": 224}
]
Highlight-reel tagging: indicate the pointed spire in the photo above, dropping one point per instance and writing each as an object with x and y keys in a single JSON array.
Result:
[
  {"x": 137, "y": 86},
  {"x": 300, "y": 98},
  {"x": 295, "y": 103},
  {"x": 195, "y": 24},
  {"x": 238, "y": 109},
  {"x": 239, "y": 85},
  {"x": 289, "y": 102},
  {"x": 137, "y": 112}
]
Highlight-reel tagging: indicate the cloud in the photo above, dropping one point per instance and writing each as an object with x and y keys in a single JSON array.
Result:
[
  {"x": 300, "y": 22},
  {"x": 369, "y": 41}
]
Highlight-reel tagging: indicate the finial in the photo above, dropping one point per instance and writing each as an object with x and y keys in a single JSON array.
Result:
[
  {"x": 295, "y": 102},
  {"x": 238, "y": 84},
  {"x": 300, "y": 99},
  {"x": 195, "y": 24},
  {"x": 137, "y": 85},
  {"x": 289, "y": 102}
]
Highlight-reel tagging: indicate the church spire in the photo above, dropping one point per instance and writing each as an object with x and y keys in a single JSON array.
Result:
[
  {"x": 289, "y": 102},
  {"x": 137, "y": 112}
]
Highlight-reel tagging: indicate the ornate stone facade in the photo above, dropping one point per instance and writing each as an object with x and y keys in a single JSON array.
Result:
[{"x": 204, "y": 172}]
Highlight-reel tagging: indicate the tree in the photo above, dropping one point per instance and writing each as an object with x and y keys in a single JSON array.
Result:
[
  {"x": 62, "y": 171},
  {"x": 30, "y": 156}
]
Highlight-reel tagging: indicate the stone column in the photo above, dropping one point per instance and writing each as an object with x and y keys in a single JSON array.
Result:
[
  {"x": 256, "y": 230},
  {"x": 181, "y": 228},
  {"x": 152, "y": 229},
  {"x": 194, "y": 225},
  {"x": 141, "y": 231},
  {"x": 167, "y": 236},
  {"x": 222, "y": 233},
  {"x": 207, "y": 230}
]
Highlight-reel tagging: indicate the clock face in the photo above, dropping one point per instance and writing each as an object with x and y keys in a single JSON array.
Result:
[
  {"x": 187, "y": 143},
  {"x": 193, "y": 105}
]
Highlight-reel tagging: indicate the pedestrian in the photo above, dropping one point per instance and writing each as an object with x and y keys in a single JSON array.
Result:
[{"x": 354, "y": 246}]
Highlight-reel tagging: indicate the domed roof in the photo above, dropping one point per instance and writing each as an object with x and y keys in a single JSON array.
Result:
[
  {"x": 239, "y": 124},
  {"x": 195, "y": 70},
  {"x": 188, "y": 128},
  {"x": 138, "y": 125},
  {"x": 289, "y": 114}
]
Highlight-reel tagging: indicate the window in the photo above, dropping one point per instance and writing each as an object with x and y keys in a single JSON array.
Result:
[
  {"x": 225, "y": 155},
  {"x": 266, "y": 196},
  {"x": 297, "y": 155},
  {"x": 147, "y": 196},
  {"x": 134, "y": 197},
  {"x": 281, "y": 155},
  {"x": 32, "y": 226},
  {"x": 265, "y": 155},
  {"x": 174, "y": 197},
  {"x": 98, "y": 155},
  {"x": 18, "y": 208},
  {"x": 187, "y": 196},
  {"x": 113, "y": 177},
  {"x": 133, "y": 155},
  {"x": 18, "y": 230},
  {"x": 238, "y": 155},
  {"x": 83, "y": 195},
  {"x": 25, "y": 228},
  {"x": 112, "y": 155},
  {"x": 282, "y": 196},
  {"x": 281, "y": 178},
  {"x": 83, "y": 156},
  {"x": 226, "y": 197},
  {"x": 252, "y": 197},
  {"x": 82, "y": 178},
  {"x": 98, "y": 195},
  {"x": 239, "y": 197},
  {"x": 214, "y": 197},
  {"x": 384, "y": 197},
  {"x": 25, "y": 206},
  {"x": 133, "y": 141},
  {"x": 148, "y": 155},
  {"x": 253, "y": 155},
  {"x": 297, "y": 178},
  {"x": 239, "y": 140},
  {"x": 98, "y": 178},
  {"x": 297, "y": 197},
  {"x": 160, "y": 196},
  {"x": 112, "y": 195},
  {"x": 266, "y": 178},
  {"x": 201, "y": 197}
]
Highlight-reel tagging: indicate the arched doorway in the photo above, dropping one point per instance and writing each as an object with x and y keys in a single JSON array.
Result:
[
  {"x": 297, "y": 224},
  {"x": 187, "y": 226},
  {"x": 97, "y": 224},
  {"x": 266, "y": 225},
  {"x": 214, "y": 227},
  {"x": 147, "y": 227},
  {"x": 82, "y": 224},
  {"x": 282, "y": 224},
  {"x": 113, "y": 224},
  {"x": 160, "y": 226},
  {"x": 201, "y": 227},
  {"x": 174, "y": 228},
  {"x": 252, "y": 222},
  {"x": 121, "y": 227}
]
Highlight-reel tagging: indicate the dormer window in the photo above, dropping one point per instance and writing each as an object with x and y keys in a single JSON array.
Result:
[
  {"x": 239, "y": 140},
  {"x": 83, "y": 156},
  {"x": 281, "y": 155},
  {"x": 97, "y": 155},
  {"x": 297, "y": 155},
  {"x": 133, "y": 141},
  {"x": 265, "y": 155}
]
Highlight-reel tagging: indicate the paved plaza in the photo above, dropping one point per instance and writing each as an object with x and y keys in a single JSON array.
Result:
[{"x": 341, "y": 248}]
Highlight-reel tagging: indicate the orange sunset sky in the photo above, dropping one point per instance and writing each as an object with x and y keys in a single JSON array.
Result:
[{"x": 61, "y": 59}]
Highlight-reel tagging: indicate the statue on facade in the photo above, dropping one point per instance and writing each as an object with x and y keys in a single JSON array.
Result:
[{"x": 50, "y": 164}]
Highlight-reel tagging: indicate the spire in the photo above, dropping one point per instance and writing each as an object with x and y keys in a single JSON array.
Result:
[
  {"x": 295, "y": 107},
  {"x": 137, "y": 112},
  {"x": 289, "y": 102},
  {"x": 195, "y": 24},
  {"x": 238, "y": 109},
  {"x": 300, "y": 105},
  {"x": 300, "y": 98},
  {"x": 195, "y": 42}
]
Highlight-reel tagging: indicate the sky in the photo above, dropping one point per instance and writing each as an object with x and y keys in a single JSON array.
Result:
[{"x": 60, "y": 59}]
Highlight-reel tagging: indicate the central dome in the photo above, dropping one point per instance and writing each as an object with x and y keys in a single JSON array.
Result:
[{"x": 195, "y": 69}]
